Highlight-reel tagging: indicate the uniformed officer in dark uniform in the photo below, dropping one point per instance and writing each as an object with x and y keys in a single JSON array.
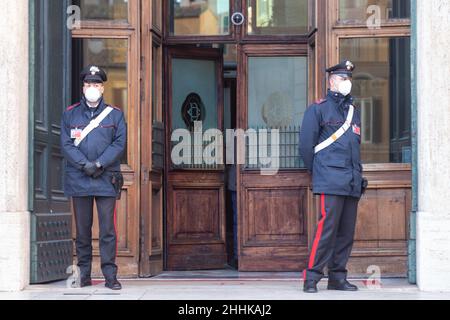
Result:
[
  {"x": 333, "y": 158},
  {"x": 92, "y": 171}
]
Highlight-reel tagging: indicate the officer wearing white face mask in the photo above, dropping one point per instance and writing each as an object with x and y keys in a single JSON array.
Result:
[
  {"x": 330, "y": 141},
  {"x": 93, "y": 140}
]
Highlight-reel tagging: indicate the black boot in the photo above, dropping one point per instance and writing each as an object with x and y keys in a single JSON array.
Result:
[
  {"x": 341, "y": 285},
  {"x": 85, "y": 282},
  {"x": 310, "y": 286},
  {"x": 113, "y": 284}
]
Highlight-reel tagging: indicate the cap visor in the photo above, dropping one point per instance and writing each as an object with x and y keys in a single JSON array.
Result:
[
  {"x": 342, "y": 73},
  {"x": 93, "y": 78}
]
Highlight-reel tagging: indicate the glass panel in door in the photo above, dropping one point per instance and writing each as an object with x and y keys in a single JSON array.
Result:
[
  {"x": 196, "y": 108},
  {"x": 196, "y": 187},
  {"x": 277, "y": 98}
]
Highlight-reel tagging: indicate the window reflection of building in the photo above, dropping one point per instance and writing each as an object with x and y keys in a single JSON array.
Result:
[
  {"x": 103, "y": 9},
  {"x": 277, "y": 99},
  {"x": 357, "y": 10},
  {"x": 381, "y": 90},
  {"x": 200, "y": 17},
  {"x": 110, "y": 55},
  {"x": 277, "y": 17}
]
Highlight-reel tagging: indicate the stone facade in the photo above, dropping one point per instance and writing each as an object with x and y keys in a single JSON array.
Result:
[
  {"x": 14, "y": 117},
  {"x": 433, "y": 217}
]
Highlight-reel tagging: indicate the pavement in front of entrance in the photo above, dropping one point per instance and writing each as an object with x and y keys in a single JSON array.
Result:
[{"x": 217, "y": 285}]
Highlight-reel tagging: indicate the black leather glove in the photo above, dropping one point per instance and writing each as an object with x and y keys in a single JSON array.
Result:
[
  {"x": 89, "y": 168},
  {"x": 100, "y": 170}
]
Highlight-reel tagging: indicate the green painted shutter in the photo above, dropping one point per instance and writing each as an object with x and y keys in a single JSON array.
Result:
[{"x": 51, "y": 220}]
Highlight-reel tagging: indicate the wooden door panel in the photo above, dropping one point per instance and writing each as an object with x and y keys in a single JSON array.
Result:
[
  {"x": 367, "y": 221},
  {"x": 156, "y": 224},
  {"x": 151, "y": 136},
  {"x": 381, "y": 235},
  {"x": 196, "y": 221},
  {"x": 393, "y": 209},
  {"x": 196, "y": 215},
  {"x": 152, "y": 227},
  {"x": 151, "y": 234},
  {"x": 195, "y": 197},
  {"x": 122, "y": 219},
  {"x": 274, "y": 225},
  {"x": 275, "y": 216},
  {"x": 382, "y": 215}
]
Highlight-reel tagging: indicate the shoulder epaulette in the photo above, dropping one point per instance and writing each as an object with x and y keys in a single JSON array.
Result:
[
  {"x": 73, "y": 106},
  {"x": 114, "y": 107}
]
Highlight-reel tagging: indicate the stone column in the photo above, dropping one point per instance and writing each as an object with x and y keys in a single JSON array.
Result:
[
  {"x": 433, "y": 93},
  {"x": 14, "y": 215}
]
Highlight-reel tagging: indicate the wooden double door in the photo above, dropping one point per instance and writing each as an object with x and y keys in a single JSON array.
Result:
[
  {"x": 221, "y": 145},
  {"x": 180, "y": 217}
]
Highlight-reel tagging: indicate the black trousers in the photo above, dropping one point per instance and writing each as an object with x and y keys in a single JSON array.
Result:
[
  {"x": 106, "y": 207},
  {"x": 333, "y": 239}
]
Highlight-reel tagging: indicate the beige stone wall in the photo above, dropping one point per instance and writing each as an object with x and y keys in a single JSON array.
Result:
[
  {"x": 433, "y": 218},
  {"x": 14, "y": 218}
]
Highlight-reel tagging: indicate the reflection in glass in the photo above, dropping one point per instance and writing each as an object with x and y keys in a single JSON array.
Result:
[
  {"x": 103, "y": 9},
  {"x": 267, "y": 17},
  {"x": 199, "y": 17},
  {"x": 110, "y": 55},
  {"x": 382, "y": 90},
  {"x": 194, "y": 98},
  {"x": 197, "y": 77},
  {"x": 359, "y": 11},
  {"x": 277, "y": 98}
]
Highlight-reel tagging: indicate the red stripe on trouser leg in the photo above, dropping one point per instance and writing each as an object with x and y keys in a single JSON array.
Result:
[
  {"x": 115, "y": 225},
  {"x": 318, "y": 233}
]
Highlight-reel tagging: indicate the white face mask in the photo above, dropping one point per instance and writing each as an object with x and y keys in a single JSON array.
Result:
[
  {"x": 345, "y": 87},
  {"x": 93, "y": 95}
]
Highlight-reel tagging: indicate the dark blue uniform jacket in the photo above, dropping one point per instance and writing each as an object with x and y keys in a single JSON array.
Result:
[
  {"x": 337, "y": 169},
  {"x": 105, "y": 144}
]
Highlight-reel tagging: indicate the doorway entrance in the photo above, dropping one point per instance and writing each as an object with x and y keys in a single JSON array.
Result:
[
  {"x": 195, "y": 187},
  {"x": 227, "y": 213},
  {"x": 239, "y": 66}
]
